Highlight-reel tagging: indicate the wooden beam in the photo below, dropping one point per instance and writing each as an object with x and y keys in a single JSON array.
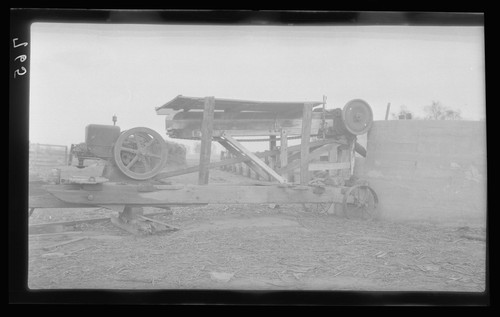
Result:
[
  {"x": 324, "y": 166},
  {"x": 194, "y": 169},
  {"x": 251, "y": 164},
  {"x": 315, "y": 154},
  {"x": 254, "y": 159},
  {"x": 304, "y": 145},
  {"x": 206, "y": 140},
  {"x": 189, "y": 123},
  {"x": 245, "y": 132},
  {"x": 47, "y": 200},
  {"x": 226, "y": 162}
]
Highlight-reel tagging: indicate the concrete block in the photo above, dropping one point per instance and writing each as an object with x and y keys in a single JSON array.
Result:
[{"x": 428, "y": 170}]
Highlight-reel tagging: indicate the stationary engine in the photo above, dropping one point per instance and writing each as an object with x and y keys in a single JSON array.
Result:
[
  {"x": 99, "y": 141},
  {"x": 139, "y": 153}
]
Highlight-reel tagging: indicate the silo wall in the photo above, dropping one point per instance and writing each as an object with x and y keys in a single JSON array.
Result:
[{"x": 428, "y": 170}]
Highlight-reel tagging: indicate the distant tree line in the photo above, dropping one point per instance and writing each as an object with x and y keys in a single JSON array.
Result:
[{"x": 434, "y": 111}]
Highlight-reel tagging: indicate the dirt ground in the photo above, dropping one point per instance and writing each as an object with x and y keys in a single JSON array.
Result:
[{"x": 256, "y": 247}]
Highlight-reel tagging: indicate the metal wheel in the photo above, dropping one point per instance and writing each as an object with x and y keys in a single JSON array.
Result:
[
  {"x": 360, "y": 201},
  {"x": 357, "y": 116},
  {"x": 140, "y": 153}
]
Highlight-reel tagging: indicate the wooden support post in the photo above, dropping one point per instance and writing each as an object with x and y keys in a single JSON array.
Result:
[
  {"x": 284, "y": 154},
  {"x": 272, "y": 159},
  {"x": 206, "y": 140},
  {"x": 130, "y": 213},
  {"x": 387, "y": 111},
  {"x": 352, "y": 156},
  {"x": 304, "y": 146},
  {"x": 222, "y": 158},
  {"x": 66, "y": 154},
  {"x": 347, "y": 156},
  {"x": 333, "y": 158},
  {"x": 230, "y": 167}
]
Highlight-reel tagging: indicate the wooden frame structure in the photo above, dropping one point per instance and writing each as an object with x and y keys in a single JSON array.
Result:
[
  {"x": 276, "y": 169},
  {"x": 279, "y": 163}
]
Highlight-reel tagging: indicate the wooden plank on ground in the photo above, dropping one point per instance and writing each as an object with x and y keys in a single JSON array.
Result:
[
  {"x": 40, "y": 228},
  {"x": 64, "y": 243},
  {"x": 159, "y": 222}
]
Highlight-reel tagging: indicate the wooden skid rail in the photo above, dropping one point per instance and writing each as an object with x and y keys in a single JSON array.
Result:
[{"x": 113, "y": 194}]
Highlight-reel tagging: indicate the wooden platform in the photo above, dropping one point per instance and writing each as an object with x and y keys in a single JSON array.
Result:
[{"x": 234, "y": 105}]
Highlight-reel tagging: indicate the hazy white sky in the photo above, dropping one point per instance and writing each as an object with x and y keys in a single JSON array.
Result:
[{"x": 85, "y": 73}]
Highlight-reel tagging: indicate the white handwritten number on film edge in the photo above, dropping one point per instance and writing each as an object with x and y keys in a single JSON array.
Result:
[{"x": 21, "y": 58}]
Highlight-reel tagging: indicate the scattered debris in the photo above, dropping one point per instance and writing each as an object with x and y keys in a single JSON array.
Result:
[
  {"x": 382, "y": 255},
  {"x": 221, "y": 276},
  {"x": 432, "y": 267},
  {"x": 473, "y": 237},
  {"x": 170, "y": 227}
]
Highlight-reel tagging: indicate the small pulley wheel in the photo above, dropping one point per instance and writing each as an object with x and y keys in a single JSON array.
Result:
[
  {"x": 140, "y": 153},
  {"x": 357, "y": 116},
  {"x": 360, "y": 201}
]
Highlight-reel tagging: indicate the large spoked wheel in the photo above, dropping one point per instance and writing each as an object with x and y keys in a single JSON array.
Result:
[
  {"x": 360, "y": 201},
  {"x": 140, "y": 153}
]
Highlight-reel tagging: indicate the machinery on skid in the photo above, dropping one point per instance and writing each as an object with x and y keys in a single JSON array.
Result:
[{"x": 127, "y": 169}]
